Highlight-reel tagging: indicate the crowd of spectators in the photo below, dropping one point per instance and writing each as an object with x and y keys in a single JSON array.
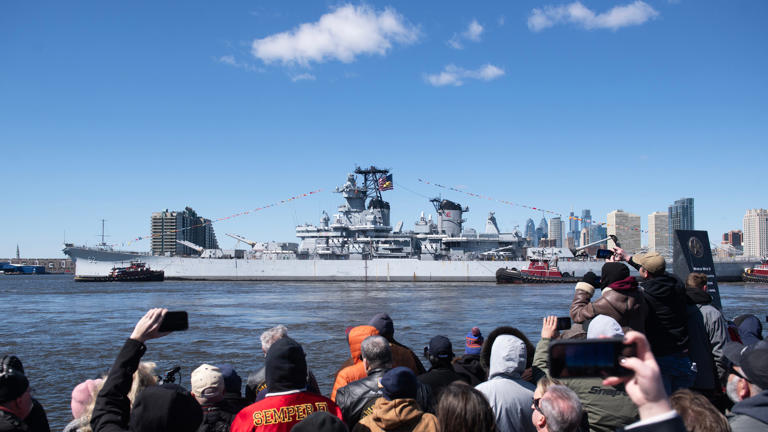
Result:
[{"x": 691, "y": 370}]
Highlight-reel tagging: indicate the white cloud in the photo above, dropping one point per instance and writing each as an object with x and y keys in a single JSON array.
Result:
[
  {"x": 501, "y": 21},
  {"x": 472, "y": 33},
  {"x": 576, "y": 13},
  {"x": 342, "y": 34},
  {"x": 228, "y": 59},
  {"x": 454, "y": 76},
  {"x": 303, "y": 77}
]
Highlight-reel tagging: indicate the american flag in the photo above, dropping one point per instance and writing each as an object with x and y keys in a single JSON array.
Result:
[{"x": 385, "y": 183}]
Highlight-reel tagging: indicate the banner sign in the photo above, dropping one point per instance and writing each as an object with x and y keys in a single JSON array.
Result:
[{"x": 692, "y": 254}]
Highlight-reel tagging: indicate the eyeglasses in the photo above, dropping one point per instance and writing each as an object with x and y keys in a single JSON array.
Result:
[{"x": 536, "y": 405}]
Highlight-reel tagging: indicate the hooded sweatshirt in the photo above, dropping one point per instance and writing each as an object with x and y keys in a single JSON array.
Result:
[
  {"x": 508, "y": 394},
  {"x": 356, "y": 370},
  {"x": 399, "y": 415},
  {"x": 287, "y": 402},
  {"x": 750, "y": 414}
]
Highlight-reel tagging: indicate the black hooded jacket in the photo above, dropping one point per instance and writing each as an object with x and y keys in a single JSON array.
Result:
[
  {"x": 667, "y": 324},
  {"x": 157, "y": 408}
]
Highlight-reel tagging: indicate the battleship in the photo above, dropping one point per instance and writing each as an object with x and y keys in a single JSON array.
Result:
[{"x": 357, "y": 244}]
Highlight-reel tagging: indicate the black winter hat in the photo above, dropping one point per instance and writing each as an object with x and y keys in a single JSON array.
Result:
[
  {"x": 613, "y": 272},
  {"x": 384, "y": 325},
  {"x": 286, "y": 366},
  {"x": 232, "y": 381},
  {"x": 440, "y": 347},
  {"x": 320, "y": 421},
  {"x": 399, "y": 383},
  {"x": 167, "y": 407},
  {"x": 13, "y": 382}
]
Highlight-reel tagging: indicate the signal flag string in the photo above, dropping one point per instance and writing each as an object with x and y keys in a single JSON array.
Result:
[
  {"x": 475, "y": 195},
  {"x": 274, "y": 204}
]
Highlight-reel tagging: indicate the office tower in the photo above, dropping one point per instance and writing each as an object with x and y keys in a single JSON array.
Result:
[
  {"x": 625, "y": 226},
  {"x": 169, "y": 226},
  {"x": 573, "y": 228},
  {"x": 584, "y": 236},
  {"x": 586, "y": 218},
  {"x": 556, "y": 231},
  {"x": 756, "y": 233},
  {"x": 658, "y": 232},
  {"x": 733, "y": 238},
  {"x": 680, "y": 218},
  {"x": 530, "y": 232}
]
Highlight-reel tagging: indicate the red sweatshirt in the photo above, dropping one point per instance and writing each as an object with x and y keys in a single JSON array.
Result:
[{"x": 280, "y": 412}]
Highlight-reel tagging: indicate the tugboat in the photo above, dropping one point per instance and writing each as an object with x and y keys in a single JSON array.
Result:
[
  {"x": 136, "y": 272},
  {"x": 758, "y": 273},
  {"x": 539, "y": 270}
]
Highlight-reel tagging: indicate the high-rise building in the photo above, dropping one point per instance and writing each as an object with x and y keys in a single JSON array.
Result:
[
  {"x": 586, "y": 218},
  {"x": 584, "y": 236},
  {"x": 169, "y": 226},
  {"x": 556, "y": 231},
  {"x": 573, "y": 228},
  {"x": 625, "y": 226},
  {"x": 597, "y": 232},
  {"x": 658, "y": 232},
  {"x": 733, "y": 238},
  {"x": 680, "y": 218},
  {"x": 756, "y": 233},
  {"x": 530, "y": 232},
  {"x": 542, "y": 231}
]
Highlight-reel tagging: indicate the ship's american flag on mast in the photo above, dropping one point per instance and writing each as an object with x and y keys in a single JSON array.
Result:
[{"x": 385, "y": 183}]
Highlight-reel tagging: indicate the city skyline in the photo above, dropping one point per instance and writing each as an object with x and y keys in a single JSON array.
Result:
[{"x": 221, "y": 107}]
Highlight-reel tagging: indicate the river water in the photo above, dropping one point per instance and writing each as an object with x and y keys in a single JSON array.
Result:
[{"x": 66, "y": 332}]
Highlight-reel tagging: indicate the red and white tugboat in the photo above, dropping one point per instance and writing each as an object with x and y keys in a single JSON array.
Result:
[
  {"x": 539, "y": 270},
  {"x": 758, "y": 273},
  {"x": 136, "y": 272}
]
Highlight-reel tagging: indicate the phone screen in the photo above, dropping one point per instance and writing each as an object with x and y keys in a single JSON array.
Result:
[
  {"x": 174, "y": 321},
  {"x": 563, "y": 323},
  {"x": 589, "y": 358},
  {"x": 604, "y": 253}
]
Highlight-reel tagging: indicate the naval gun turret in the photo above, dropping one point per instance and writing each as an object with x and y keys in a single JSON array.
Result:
[{"x": 449, "y": 215}]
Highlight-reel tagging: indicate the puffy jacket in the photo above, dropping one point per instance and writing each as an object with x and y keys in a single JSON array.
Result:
[
  {"x": 750, "y": 414},
  {"x": 707, "y": 332},
  {"x": 622, "y": 301},
  {"x": 11, "y": 423},
  {"x": 353, "y": 369},
  {"x": 397, "y": 415},
  {"x": 607, "y": 407},
  {"x": 508, "y": 394},
  {"x": 356, "y": 399}
]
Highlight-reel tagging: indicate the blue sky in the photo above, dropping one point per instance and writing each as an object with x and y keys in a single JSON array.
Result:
[{"x": 117, "y": 109}]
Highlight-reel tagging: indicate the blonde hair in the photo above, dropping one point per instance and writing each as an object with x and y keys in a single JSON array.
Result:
[
  {"x": 544, "y": 383},
  {"x": 142, "y": 378}
]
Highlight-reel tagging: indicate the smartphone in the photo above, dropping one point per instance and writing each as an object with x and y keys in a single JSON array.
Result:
[
  {"x": 174, "y": 321},
  {"x": 563, "y": 323},
  {"x": 604, "y": 253},
  {"x": 589, "y": 358}
]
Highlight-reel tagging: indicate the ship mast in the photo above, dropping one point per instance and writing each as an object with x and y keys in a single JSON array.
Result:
[{"x": 371, "y": 178}]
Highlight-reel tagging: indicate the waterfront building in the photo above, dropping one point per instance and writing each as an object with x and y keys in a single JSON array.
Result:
[
  {"x": 556, "y": 231},
  {"x": 530, "y": 232},
  {"x": 625, "y": 226},
  {"x": 756, "y": 233},
  {"x": 169, "y": 226},
  {"x": 733, "y": 238},
  {"x": 658, "y": 232},
  {"x": 680, "y": 218}
]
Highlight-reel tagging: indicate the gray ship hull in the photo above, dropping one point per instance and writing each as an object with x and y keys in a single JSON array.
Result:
[
  {"x": 95, "y": 262},
  {"x": 92, "y": 262}
]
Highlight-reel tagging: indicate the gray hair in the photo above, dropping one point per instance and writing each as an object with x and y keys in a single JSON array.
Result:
[
  {"x": 273, "y": 335},
  {"x": 562, "y": 408},
  {"x": 376, "y": 351}
]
